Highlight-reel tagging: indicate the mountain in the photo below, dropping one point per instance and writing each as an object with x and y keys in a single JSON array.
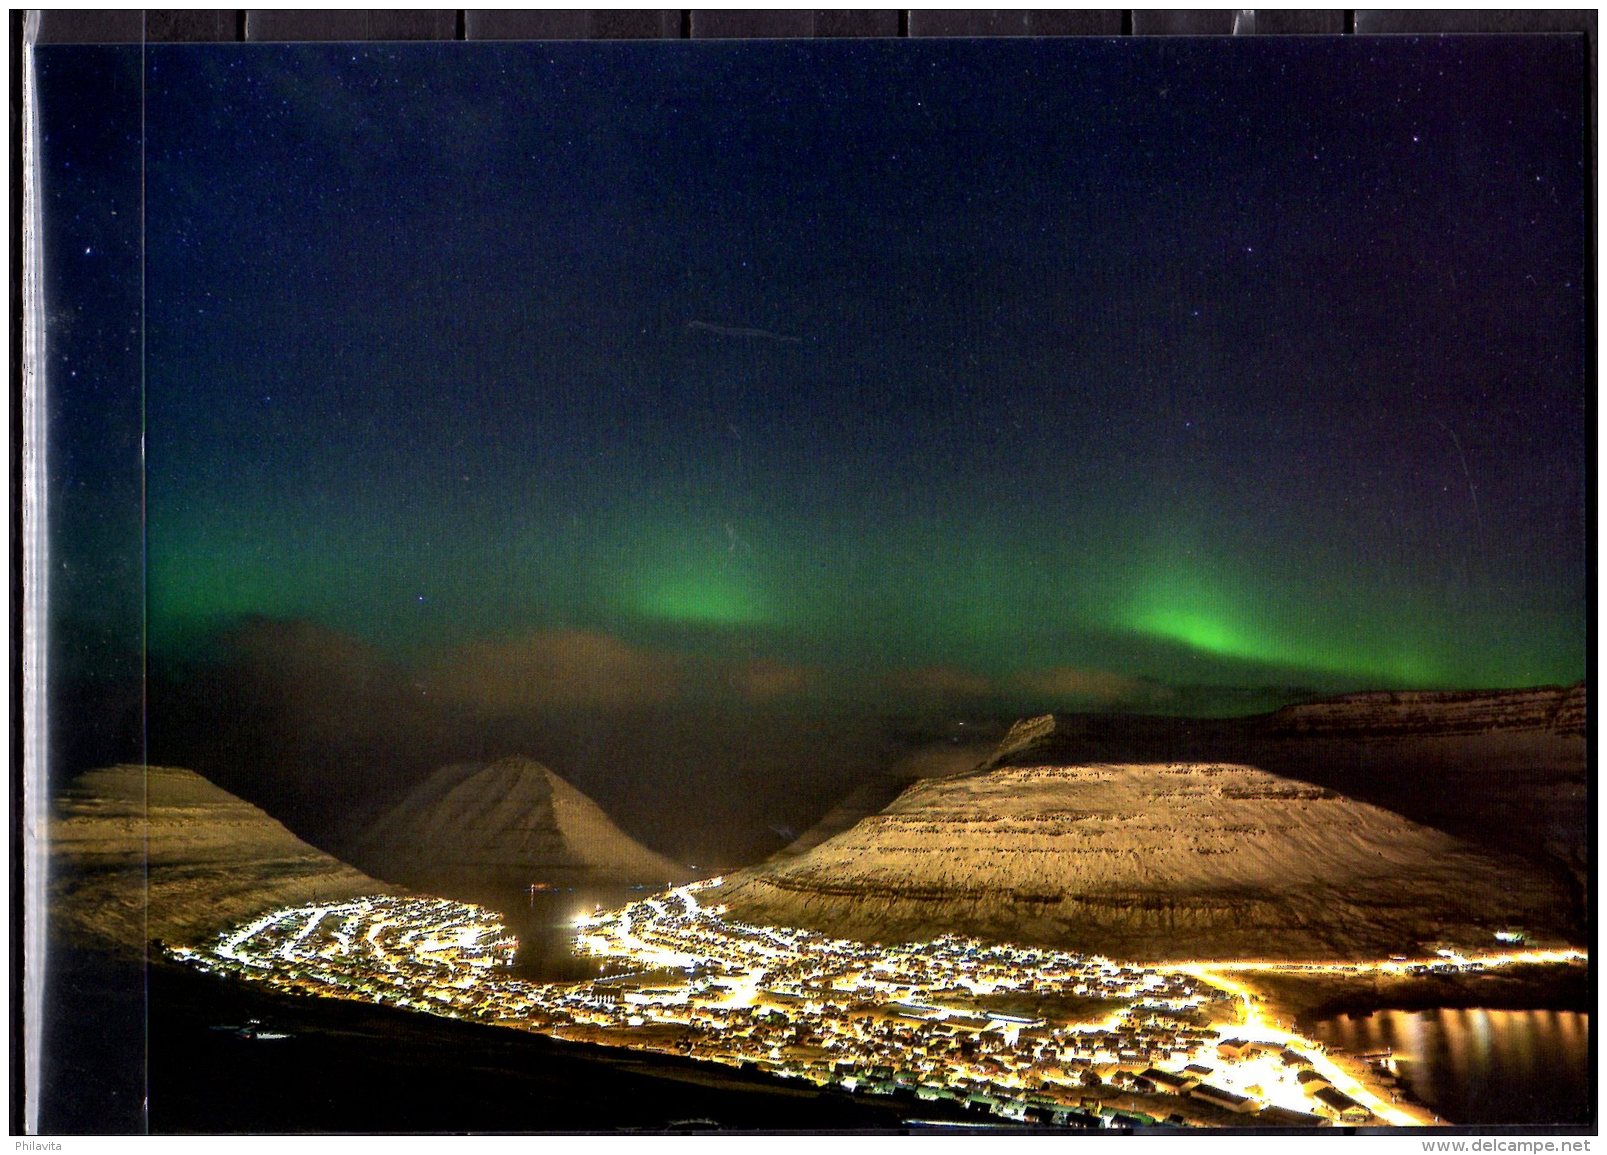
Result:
[
  {"x": 1545, "y": 723},
  {"x": 1502, "y": 768},
  {"x": 1553, "y": 711},
  {"x": 861, "y": 802},
  {"x": 145, "y": 852},
  {"x": 1151, "y": 861},
  {"x": 474, "y": 829},
  {"x": 928, "y": 760}
]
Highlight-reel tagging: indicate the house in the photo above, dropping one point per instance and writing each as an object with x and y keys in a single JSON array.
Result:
[
  {"x": 1312, "y": 1081},
  {"x": 1232, "y": 1048},
  {"x": 1168, "y": 1080},
  {"x": 964, "y": 1021},
  {"x": 1284, "y": 1117},
  {"x": 1291, "y": 1058},
  {"x": 1219, "y": 1097},
  {"x": 1088, "y": 1120},
  {"x": 1338, "y": 1105},
  {"x": 1118, "y": 1118}
]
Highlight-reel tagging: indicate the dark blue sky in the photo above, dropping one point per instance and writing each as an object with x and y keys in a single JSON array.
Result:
[{"x": 1073, "y": 370}]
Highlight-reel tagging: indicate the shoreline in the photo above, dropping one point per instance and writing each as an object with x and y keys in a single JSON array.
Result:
[{"x": 1304, "y": 999}]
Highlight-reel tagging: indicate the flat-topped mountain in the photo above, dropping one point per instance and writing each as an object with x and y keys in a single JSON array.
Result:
[
  {"x": 1548, "y": 722},
  {"x": 929, "y": 760},
  {"x": 1419, "y": 714},
  {"x": 145, "y": 852},
  {"x": 474, "y": 829},
  {"x": 1501, "y": 768},
  {"x": 859, "y": 803},
  {"x": 1151, "y": 862}
]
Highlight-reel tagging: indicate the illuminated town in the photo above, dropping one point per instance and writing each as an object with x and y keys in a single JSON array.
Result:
[{"x": 1017, "y": 1035}]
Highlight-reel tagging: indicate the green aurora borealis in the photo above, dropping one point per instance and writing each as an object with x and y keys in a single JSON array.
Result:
[
  {"x": 1043, "y": 370},
  {"x": 992, "y": 609}
]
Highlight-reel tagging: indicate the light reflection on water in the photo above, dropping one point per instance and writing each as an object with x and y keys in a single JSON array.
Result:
[{"x": 1480, "y": 1066}]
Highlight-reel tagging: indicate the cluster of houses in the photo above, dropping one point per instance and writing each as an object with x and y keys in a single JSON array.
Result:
[
  {"x": 1328, "y": 1104},
  {"x": 914, "y": 1019},
  {"x": 1010, "y": 1067}
]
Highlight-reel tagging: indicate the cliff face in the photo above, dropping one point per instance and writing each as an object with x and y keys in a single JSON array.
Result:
[
  {"x": 860, "y": 803},
  {"x": 1546, "y": 723},
  {"x": 1413, "y": 715},
  {"x": 933, "y": 760},
  {"x": 472, "y": 830},
  {"x": 139, "y": 853},
  {"x": 1503, "y": 769},
  {"x": 1151, "y": 862}
]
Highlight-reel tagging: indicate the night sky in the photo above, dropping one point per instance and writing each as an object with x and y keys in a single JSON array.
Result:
[{"x": 1068, "y": 373}]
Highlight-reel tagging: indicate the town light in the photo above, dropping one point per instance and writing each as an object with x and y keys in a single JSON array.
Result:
[{"x": 883, "y": 1017}]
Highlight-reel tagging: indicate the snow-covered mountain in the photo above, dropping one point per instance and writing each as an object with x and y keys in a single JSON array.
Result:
[
  {"x": 1152, "y": 861},
  {"x": 145, "y": 852},
  {"x": 475, "y": 828}
]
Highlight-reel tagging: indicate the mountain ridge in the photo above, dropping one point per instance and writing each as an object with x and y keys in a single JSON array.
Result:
[{"x": 1155, "y": 862}]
